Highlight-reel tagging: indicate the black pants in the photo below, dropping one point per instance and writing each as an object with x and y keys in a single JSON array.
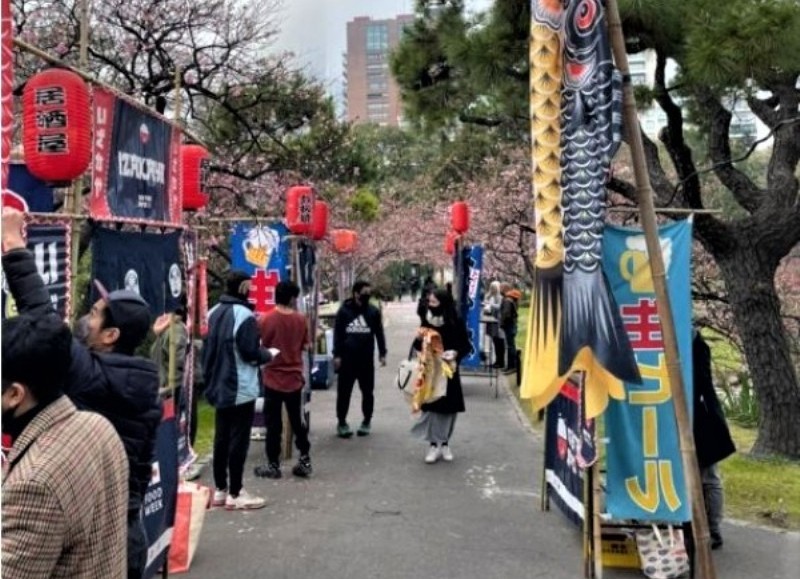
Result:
[
  {"x": 365, "y": 374},
  {"x": 231, "y": 442},
  {"x": 499, "y": 350},
  {"x": 273, "y": 403},
  {"x": 511, "y": 347},
  {"x": 137, "y": 545}
]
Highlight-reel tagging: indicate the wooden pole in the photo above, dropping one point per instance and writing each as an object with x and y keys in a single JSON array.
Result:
[
  {"x": 704, "y": 564},
  {"x": 597, "y": 523}
]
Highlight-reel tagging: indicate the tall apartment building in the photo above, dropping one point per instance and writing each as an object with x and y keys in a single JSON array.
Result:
[
  {"x": 371, "y": 94},
  {"x": 642, "y": 65}
]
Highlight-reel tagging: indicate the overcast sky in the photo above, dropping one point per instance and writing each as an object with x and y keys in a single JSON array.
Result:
[{"x": 316, "y": 30}]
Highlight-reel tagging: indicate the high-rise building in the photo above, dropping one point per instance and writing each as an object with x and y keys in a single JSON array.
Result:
[{"x": 371, "y": 94}]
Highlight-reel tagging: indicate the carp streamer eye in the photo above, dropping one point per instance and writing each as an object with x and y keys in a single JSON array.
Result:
[{"x": 587, "y": 10}]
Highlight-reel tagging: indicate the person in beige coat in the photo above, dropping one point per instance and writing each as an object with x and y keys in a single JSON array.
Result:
[{"x": 65, "y": 477}]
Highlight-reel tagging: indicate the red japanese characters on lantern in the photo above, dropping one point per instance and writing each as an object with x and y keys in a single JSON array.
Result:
[
  {"x": 195, "y": 172},
  {"x": 459, "y": 217},
  {"x": 56, "y": 122},
  {"x": 450, "y": 242},
  {"x": 344, "y": 240},
  {"x": 319, "y": 222},
  {"x": 299, "y": 209}
]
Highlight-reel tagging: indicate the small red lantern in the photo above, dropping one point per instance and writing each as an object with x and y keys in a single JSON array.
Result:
[
  {"x": 450, "y": 242},
  {"x": 299, "y": 209},
  {"x": 57, "y": 126},
  {"x": 194, "y": 159},
  {"x": 460, "y": 217},
  {"x": 319, "y": 222},
  {"x": 344, "y": 240}
]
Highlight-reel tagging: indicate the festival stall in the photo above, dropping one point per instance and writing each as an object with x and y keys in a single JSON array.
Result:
[
  {"x": 143, "y": 178},
  {"x": 609, "y": 329}
]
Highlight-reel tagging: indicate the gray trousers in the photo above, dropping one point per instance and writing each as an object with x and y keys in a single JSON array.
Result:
[{"x": 713, "y": 497}]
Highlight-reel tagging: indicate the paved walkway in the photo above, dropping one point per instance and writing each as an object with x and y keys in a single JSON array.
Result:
[{"x": 373, "y": 508}]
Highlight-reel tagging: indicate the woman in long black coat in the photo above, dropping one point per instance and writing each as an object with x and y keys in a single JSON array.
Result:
[{"x": 439, "y": 417}]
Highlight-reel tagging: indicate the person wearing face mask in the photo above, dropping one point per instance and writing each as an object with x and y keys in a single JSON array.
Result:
[
  {"x": 104, "y": 375},
  {"x": 438, "y": 418},
  {"x": 232, "y": 354},
  {"x": 65, "y": 484},
  {"x": 358, "y": 325}
]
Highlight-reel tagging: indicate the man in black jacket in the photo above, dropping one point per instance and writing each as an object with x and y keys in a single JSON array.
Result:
[
  {"x": 104, "y": 376},
  {"x": 358, "y": 324}
]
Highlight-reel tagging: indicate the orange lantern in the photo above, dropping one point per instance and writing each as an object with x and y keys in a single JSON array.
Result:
[
  {"x": 344, "y": 240},
  {"x": 450, "y": 242},
  {"x": 194, "y": 159},
  {"x": 57, "y": 126},
  {"x": 459, "y": 217},
  {"x": 319, "y": 222},
  {"x": 299, "y": 209}
]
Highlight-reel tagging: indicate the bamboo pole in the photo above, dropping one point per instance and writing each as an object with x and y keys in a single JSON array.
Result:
[
  {"x": 704, "y": 562},
  {"x": 597, "y": 523}
]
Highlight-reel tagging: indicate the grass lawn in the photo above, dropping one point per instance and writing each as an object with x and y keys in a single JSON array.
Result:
[
  {"x": 764, "y": 491},
  {"x": 205, "y": 429}
]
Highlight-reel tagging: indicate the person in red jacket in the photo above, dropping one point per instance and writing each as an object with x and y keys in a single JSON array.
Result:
[{"x": 286, "y": 330}]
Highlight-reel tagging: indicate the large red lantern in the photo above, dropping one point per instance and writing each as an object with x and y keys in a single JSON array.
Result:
[
  {"x": 195, "y": 171},
  {"x": 319, "y": 221},
  {"x": 299, "y": 209},
  {"x": 344, "y": 240},
  {"x": 57, "y": 127},
  {"x": 450, "y": 242},
  {"x": 459, "y": 217}
]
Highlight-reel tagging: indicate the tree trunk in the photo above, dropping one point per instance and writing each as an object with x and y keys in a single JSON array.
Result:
[{"x": 750, "y": 279}]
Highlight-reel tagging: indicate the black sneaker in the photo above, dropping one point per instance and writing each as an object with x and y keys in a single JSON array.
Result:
[
  {"x": 716, "y": 541},
  {"x": 303, "y": 467},
  {"x": 271, "y": 470}
]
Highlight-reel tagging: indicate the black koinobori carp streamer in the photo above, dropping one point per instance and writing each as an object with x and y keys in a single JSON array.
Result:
[{"x": 591, "y": 337}]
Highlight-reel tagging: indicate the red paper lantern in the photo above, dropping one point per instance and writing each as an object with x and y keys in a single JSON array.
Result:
[
  {"x": 450, "y": 242},
  {"x": 319, "y": 222},
  {"x": 57, "y": 125},
  {"x": 459, "y": 217},
  {"x": 195, "y": 171},
  {"x": 299, "y": 209},
  {"x": 344, "y": 240}
]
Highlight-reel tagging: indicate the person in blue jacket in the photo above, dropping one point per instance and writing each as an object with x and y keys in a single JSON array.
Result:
[{"x": 232, "y": 354}]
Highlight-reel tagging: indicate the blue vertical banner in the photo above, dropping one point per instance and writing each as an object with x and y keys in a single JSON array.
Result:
[
  {"x": 471, "y": 301},
  {"x": 162, "y": 492},
  {"x": 564, "y": 431},
  {"x": 261, "y": 250},
  {"x": 645, "y": 472}
]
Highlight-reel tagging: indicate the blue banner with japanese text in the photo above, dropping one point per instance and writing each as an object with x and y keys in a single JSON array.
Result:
[
  {"x": 645, "y": 473},
  {"x": 471, "y": 302},
  {"x": 262, "y": 251}
]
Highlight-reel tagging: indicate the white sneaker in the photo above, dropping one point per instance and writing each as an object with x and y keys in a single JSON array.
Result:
[
  {"x": 244, "y": 502},
  {"x": 219, "y": 498},
  {"x": 433, "y": 454},
  {"x": 447, "y": 454}
]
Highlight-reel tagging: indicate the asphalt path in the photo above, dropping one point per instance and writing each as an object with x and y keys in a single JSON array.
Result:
[{"x": 373, "y": 508}]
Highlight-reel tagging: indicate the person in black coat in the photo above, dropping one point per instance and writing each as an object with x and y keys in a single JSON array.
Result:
[
  {"x": 712, "y": 438},
  {"x": 438, "y": 417},
  {"x": 104, "y": 375}
]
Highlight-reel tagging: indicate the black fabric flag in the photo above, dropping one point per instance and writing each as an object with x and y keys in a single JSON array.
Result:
[{"x": 148, "y": 263}]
